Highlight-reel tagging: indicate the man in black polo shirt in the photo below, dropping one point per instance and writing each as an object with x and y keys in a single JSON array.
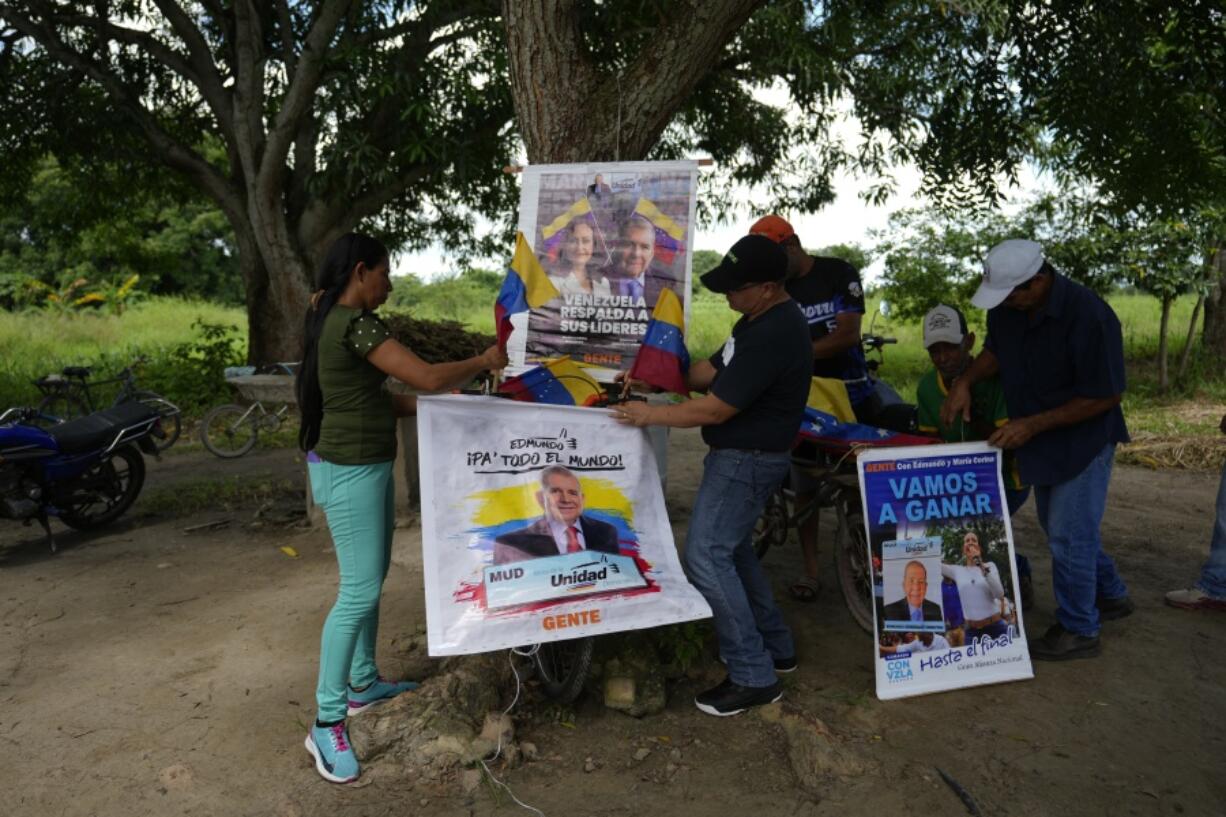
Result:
[
  {"x": 831, "y": 297},
  {"x": 756, "y": 385},
  {"x": 1060, "y": 354}
]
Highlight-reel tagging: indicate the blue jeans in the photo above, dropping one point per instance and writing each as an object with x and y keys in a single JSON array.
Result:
[
  {"x": 359, "y": 501},
  {"x": 720, "y": 562},
  {"x": 1015, "y": 498},
  {"x": 1070, "y": 513},
  {"x": 1213, "y": 574}
]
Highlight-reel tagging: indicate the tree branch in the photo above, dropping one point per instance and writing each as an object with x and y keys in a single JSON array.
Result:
[
  {"x": 209, "y": 78},
  {"x": 286, "y": 25},
  {"x": 301, "y": 91},
  {"x": 431, "y": 20},
  {"x": 248, "y": 87},
  {"x": 205, "y": 77},
  {"x": 169, "y": 151}
]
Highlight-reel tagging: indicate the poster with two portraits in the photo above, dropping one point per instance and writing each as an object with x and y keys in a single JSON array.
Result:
[
  {"x": 610, "y": 236},
  {"x": 947, "y": 606}
]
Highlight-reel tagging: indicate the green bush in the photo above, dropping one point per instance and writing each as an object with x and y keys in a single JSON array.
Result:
[{"x": 191, "y": 373}]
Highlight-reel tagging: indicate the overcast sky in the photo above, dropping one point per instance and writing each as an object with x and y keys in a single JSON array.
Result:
[{"x": 847, "y": 220}]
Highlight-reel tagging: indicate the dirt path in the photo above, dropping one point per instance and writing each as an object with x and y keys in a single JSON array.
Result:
[{"x": 148, "y": 671}]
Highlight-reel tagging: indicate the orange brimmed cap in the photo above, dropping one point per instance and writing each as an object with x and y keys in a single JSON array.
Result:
[{"x": 773, "y": 227}]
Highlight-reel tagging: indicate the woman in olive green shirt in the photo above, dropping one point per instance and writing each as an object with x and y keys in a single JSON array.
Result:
[{"x": 349, "y": 433}]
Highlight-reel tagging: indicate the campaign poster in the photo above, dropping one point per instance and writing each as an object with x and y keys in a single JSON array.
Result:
[
  {"x": 541, "y": 523},
  {"x": 948, "y": 610},
  {"x": 611, "y": 237}
]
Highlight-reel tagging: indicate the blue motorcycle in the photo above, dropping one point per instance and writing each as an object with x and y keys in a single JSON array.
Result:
[{"x": 87, "y": 472}]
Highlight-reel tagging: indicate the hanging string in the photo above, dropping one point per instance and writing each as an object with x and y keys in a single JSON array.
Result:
[
  {"x": 617, "y": 147},
  {"x": 498, "y": 749}
]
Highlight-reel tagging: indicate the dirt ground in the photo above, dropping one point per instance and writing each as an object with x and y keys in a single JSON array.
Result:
[{"x": 145, "y": 670}]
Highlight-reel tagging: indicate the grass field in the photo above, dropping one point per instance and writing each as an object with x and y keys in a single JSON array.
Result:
[{"x": 35, "y": 343}]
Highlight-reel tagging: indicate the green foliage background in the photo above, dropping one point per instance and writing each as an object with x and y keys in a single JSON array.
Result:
[{"x": 186, "y": 366}]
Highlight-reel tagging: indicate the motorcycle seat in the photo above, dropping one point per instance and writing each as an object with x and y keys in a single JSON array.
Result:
[
  {"x": 99, "y": 429},
  {"x": 77, "y": 371}
]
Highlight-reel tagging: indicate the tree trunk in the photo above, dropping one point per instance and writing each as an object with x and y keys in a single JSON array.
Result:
[
  {"x": 1214, "y": 338},
  {"x": 276, "y": 280},
  {"x": 276, "y": 306},
  {"x": 1186, "y": 354},
  {"x": 569, "y": 111},
  {"x": 1163, "y": 379}
]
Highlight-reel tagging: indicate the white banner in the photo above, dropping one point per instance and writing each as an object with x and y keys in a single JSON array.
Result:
[
  {"x": 541, "y": 523},
  {"x": 947, "y": 606},
  {"x": 610, "y": 236}
]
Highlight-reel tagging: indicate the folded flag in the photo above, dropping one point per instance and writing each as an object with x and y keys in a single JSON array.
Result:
[
  {"x": 662, "y": 361},
  {"x": 670, "y": 236},
  {"x": 554, "y": 233},
  {"x": 829, "y": 420},
  {"x": 526, "y": 286},
  {"x": 559, "y": 381},
  {"x": 829, "y": 394}
]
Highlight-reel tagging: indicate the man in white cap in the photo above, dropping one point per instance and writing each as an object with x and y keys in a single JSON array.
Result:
[
  {"x": 1059, "y": 352},
  {"x": 950, "y": 345}
]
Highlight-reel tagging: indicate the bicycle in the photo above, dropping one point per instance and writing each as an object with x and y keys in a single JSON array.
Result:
[
  {"x": 838, "y": 488},
  {"x": 563, "y": 666},
  {"x": 70, "y": 394},
  {"x": 833, "y": 468},
  {"x": 231, "y": 430}
]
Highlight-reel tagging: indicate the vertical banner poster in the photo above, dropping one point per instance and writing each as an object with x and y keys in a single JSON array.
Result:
[
  {"x": 948, "y": 613},
  {"x": 541, "y": 523},
  {"x": 610, "y": 236}
]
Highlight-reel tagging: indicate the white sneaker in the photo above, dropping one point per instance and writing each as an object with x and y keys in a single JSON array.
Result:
[{"x": 1194, "y": 599}]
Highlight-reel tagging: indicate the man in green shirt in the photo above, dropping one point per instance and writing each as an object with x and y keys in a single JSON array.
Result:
[{"x": 949, "y": 345}]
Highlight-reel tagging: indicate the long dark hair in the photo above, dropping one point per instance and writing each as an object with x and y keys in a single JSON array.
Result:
[{"x": 330, "y": 282}]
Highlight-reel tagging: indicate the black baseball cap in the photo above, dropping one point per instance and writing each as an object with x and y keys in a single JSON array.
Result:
[{"x": 754, "y": 259}]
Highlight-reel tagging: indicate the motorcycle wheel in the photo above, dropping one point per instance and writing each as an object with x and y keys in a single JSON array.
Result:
[
  {"x": 771, "y": 529},
  {"x": 105, "y": 491},
  {"x": 853, "y": 564},
  {"x": 229, "y": 431},
  {"x": 562, "y": 667}
]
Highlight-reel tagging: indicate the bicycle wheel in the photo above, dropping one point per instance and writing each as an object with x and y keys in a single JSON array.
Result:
[
  {"x": 563, "y": 666},
  {"x": 854, "y": 565},
  {"x": 171, "y": 421},
  {"x": 104, "y": 492},
  {"x": 59, "y": 407},
  {"x": 229, "y": 431},
  {"x": 771, "y": 529}
]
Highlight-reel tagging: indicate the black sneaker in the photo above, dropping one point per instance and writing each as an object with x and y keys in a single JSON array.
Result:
[
  {"x": 782, "y": 665},
  {"x": 786, "y": 665},
  {"x": 1058, "y": 644},
  {"x": 1111, "y": 609},
  {"x": 732, "y": 699}
]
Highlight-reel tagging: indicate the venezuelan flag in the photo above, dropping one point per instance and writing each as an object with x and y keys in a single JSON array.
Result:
[
  {"x": 670, "y": 236},
  {"x": 552, "y": 234},
  {"x": 526, "y": 286},
  {"x": 662, "y": 360},
  {"x": 830, "y": 422},
  {"x": 559, "y": 381}
]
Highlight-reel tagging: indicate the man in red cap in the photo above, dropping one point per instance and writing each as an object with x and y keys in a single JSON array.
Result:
[{"x": 829, "y": 293}]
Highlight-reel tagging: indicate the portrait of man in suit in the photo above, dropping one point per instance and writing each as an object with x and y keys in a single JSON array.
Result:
[
  {"x": 913, "y": 606},
  {"x": 562, "y": 528}
]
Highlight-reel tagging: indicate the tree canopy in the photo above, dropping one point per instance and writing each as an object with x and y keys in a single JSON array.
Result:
[{"x": 302, "y": 121}]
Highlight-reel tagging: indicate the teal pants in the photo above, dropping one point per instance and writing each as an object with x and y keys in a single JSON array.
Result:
[{"x": 360, "y": 505}]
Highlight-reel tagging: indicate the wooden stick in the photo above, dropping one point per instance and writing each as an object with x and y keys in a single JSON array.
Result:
[{"x": 512, "y": 169}]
